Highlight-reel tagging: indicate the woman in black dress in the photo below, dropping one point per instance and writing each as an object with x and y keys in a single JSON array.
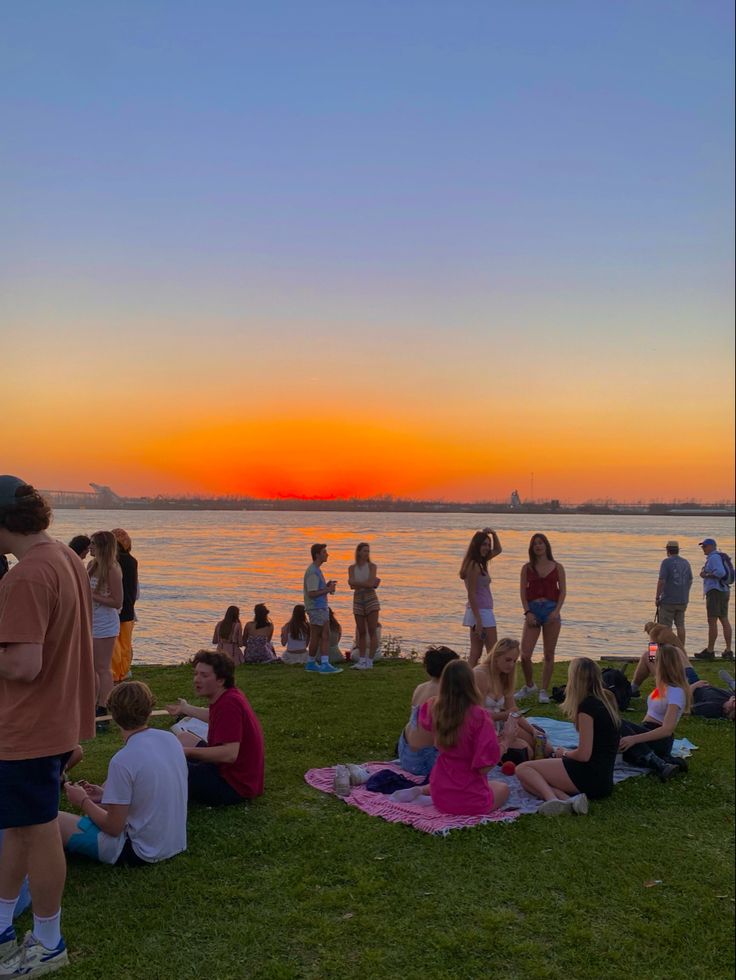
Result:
[{"x": 566, "y": 781}]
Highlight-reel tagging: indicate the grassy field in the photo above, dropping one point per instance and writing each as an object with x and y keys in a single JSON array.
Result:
[{"x": 299, "y": 885}]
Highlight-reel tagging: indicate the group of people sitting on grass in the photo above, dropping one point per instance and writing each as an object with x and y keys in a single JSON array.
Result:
[
  {"x": 252, "y": 642},
  {"x": 464, "y": 721},
  {"x": 139, "y": 815}
]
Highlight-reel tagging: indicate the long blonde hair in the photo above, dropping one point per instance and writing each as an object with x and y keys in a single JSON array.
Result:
[
  {"x": 105, "y": 559},
  {"x": 505, "y": 681},
  {"x": 584, "y": 680},
  {"x": 669, "y": 672},
  {"x": 457, "y": 694}
]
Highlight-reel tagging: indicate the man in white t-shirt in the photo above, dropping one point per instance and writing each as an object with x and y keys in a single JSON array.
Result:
[{"x": 140, "y": 815}]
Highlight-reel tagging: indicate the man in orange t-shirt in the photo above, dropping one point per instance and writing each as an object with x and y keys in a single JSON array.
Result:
[{"x": 47, "y": 698}]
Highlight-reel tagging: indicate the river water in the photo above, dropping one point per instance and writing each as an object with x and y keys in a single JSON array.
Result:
[{"x": 194, "y": 564}]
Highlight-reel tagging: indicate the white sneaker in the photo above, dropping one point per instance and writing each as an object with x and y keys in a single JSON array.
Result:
[
  {"x": 555, "y": 808},
  {"x": 580, "y": 804},
  {"x": 341, "y": 781},
  {"x": 543, "y": 697},
  {"x": 358, "y": 665},
  {"x": 526, "y": 692},
  {"x": 32, "y": 959},
  {"x": 358, "y": 775}
]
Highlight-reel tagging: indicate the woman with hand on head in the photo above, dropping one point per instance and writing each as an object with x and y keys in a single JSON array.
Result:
[
  {"x": 649, "y": 745},
  {"x": 543, "y": 592},
  {"x": 363, "y": 580},
  {"x": 257, "y": 637},
  {"x": 566, "y": 781},
  {"x": 228, "y": 635},
  {"x": 106, "y": 580},
  {"x": 479, "y": 616}
]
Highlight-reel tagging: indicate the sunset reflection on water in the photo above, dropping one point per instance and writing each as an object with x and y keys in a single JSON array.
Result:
[{"x": 193, "y": 565}]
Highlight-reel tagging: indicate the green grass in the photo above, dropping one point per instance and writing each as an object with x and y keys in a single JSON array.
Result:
[{"x": 300, "y": 885}]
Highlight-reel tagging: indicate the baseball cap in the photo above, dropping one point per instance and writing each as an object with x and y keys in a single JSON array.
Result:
[
  {"x": 673, "y": 546},
  {"x": 708, "y": 541},
  {"x": 8, "y": 486}
]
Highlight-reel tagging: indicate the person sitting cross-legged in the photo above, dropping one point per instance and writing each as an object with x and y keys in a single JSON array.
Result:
[
  {"x": 139, "y": 816},
  {"x": 228, "y": 767}
]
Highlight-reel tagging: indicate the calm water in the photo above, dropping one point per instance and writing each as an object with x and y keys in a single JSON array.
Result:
[{"x": 193, "y": 565}]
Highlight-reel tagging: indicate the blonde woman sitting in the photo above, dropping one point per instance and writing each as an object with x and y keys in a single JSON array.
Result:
[
  {"x": 495, "y": 680},
  {"x": 649, "y": 744},
  {"x": 566, "y": 781}
]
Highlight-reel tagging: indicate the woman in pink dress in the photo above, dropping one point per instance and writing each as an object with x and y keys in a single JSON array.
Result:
[{"x": 468, "y": 746}]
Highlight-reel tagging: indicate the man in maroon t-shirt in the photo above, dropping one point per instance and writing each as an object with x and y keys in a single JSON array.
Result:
[{"x": 228, "y": 768}]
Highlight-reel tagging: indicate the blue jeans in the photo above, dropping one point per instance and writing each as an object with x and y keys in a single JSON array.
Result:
[{"x": 542, "y": 610}]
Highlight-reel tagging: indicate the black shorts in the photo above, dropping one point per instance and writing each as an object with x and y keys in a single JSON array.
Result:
[
  {"x": 29, "y": 790},
  {"x": 594, "y": 778},
  {"x": 206, "y": 785}
]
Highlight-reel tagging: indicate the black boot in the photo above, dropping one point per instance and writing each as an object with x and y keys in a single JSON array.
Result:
[
  {"x": 665, "y": 770},
  {"x": 676, "y": 761}
]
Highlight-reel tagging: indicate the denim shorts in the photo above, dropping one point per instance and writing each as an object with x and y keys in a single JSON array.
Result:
[
  {"x": 418, "y": 762},
  {"x": 542, "y": 610}
]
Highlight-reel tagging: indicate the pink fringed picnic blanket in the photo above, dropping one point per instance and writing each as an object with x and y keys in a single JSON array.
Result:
[{"x": 421, "y": 817}]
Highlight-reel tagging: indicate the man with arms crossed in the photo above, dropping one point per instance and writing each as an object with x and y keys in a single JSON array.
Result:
[
  {"x": 717, "y": 593},
  {"x": 316, "y": 590},
  {"x": 228, "y": 767},
  {"x": 673, "y": 589},
  {"x": 47, "y": 699}
]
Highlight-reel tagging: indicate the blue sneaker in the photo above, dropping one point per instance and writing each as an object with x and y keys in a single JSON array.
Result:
[
  {"x": 313, "y": 666},
  {"x": 329, "y": 669},
  {"x": 8, "y": 944},
  {"x": 31, "y": 959}
]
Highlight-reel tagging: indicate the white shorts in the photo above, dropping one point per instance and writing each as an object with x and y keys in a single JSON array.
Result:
[{"x": 487, "y": 618}]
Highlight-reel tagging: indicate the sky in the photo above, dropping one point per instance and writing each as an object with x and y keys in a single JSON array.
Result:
[{"x": 363, "y": 247}]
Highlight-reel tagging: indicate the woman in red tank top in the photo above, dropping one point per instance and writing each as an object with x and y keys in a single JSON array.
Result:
[{"x": 542, "y": 594}]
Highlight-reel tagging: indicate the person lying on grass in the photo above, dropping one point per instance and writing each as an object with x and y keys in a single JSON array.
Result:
[
  {"x": 566, "y": 781},
  {"x": 495, "y": 679},
  {"x": 228, "y": 767},
  {"x": 139, "y": 816},
  {"x": 417, "y": 752},
  {"x": 712, "y": 702},
  {"x": 649, "y": 745},
  {"x": 468, "y": 749}
]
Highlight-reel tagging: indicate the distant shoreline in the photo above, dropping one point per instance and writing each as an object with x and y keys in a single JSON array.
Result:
[{"x": 395, "y": 507}]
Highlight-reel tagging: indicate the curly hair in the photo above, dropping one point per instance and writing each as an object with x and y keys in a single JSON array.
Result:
[{"x": 29, "y": 515}]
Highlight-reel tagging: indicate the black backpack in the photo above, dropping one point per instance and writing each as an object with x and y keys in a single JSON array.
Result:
[{"x": 619, "y": 685}]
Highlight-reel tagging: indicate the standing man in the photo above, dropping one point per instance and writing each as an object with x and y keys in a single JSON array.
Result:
[
  {"x": 673, "y": 589},
  {"x": 316, "y": 590},
  {"x": 47, "y": 706},
  {"x": 716, "y": 591}
]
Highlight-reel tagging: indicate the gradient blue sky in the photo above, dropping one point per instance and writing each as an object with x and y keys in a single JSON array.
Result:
[{"x": 518, "y": 202}]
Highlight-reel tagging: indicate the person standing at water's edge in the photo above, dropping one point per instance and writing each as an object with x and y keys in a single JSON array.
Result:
[
  {"x": 673, "y": 589},
  {"x": 543, "y": 591},
  {"x": 363, "y": 580},
  {"x": 106, "y": 580},
  {"x": 47, "y": 698},
  {"x": 122, "y": 654},
  {"x": 316, "y": 590},
  {"x": 717, "y": 593},
  {"x": 479, "y": 616}
]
